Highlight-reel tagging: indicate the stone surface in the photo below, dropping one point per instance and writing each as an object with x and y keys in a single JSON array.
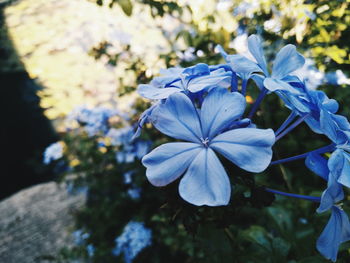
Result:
[{"x": 36, "y": 223}]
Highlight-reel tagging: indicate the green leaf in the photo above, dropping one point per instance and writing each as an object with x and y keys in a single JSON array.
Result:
[
  {"x": 280, "y": 246},
  {"x": 282, "y": 217},
  {"x": 126, "y": 6},
  {"x": 258, "y": 235}
]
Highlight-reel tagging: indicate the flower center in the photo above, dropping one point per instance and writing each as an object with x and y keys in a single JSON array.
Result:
[{"x": 205, "y": 142}]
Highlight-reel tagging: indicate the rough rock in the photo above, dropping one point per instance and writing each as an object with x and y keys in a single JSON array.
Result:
[{"x": 36, "y": 223}]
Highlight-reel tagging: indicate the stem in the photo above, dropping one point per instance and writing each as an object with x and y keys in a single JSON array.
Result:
[
  {"x": 291, "y": 127},
  {"x": 321, "y": 150},
  {"x": 290, "y": 118},
  {"x": 305, "y": 197},
  {"x": 244, "y": 86},
  {"x": 257, "y": 103}
]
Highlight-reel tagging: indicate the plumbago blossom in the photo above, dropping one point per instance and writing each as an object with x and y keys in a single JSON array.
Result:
[
  {"x": 203, "y": 108},
  {"x": 132, "y": 241},
  {"x": 95, "y": 120},
  {"x": 53, "y": 152}
]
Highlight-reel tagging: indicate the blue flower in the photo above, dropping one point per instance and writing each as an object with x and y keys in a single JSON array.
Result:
[
  {"x": 134, "y": 193},
  {"x": 192, "y": 79},
  {"x": 53, "y": 152},
  {"x": 325, "y": 169},
  {"x": 90, "y": 250},
  {"x": 80, "y": 237},
  {"x": 315, "y": 104},
  {"x": 135, "y": 237},
  {"x": 336, "y": 232},
  {"x": 95, "y": 120},
  {"x": 129, "y": 149},
  {"x": 207, "y": 130},
  {"x": 287, "y": 61}
]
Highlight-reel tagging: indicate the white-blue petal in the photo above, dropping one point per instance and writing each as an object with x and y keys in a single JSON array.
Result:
[
  {"x": 206, "y": 181},
  {"x": 317, "y": 164},
  {"x": 259, "y": 80},
  {"x": 255, "y": 48},
  {"x": 178, "y": 118},
  {"x": 169, "y": 161},
  {"x": 344, "y": 177},
  {"x": 151, "y": 92},
  {"x": 333, "y": 194},
  {"x": 218, "y": 78},
  {"x": 243, "y": 66},
  {"x": 276, "y": 84},
  {"x": 336, "y": 232},
  {"x": 328, "y": 126},
  {"x": 219, "y": 109},
  {"x": 248, "y": 148},
  {"x": 287, "y": 60}
]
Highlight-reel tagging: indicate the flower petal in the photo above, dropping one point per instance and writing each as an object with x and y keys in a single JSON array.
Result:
[
  {"x": 336, "y": 232},
  {"x": 243, "y": 66},
  {"x": 317, "y": 164},
  {"x": 169, "y": 161},
  {"x": 218, "y": 78},
  {"x": 333, "y": 194},
  {"x": 248, "y": 148},
  {"x": 344, "y": 177},
  {"x": 219, "y": 109},
  {"x": 255, "y": 48},
  {"x": 276, "y": 84},
  {"x": 287, "y": 60},
  {"x": 259, "y": 80},
  {"x": 328, "y": 126},
  {"x": 178, "y": 118},
  {"x": 151, "y": 92},
  {"x": 206, "y": 181}
]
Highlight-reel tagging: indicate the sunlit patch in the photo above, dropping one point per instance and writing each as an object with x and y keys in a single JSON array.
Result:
[{"x": 249, "y": 99}]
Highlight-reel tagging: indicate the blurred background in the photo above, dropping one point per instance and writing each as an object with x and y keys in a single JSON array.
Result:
[{"x": 56, "y": 55}]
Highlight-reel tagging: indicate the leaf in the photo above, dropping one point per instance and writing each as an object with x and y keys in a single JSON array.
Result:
[
  {"x": 282, "y": 218},
  {"x": 281, "y": 246},
  {"x": 258, "y": 235},
  {"x": 126, "y": 6}
]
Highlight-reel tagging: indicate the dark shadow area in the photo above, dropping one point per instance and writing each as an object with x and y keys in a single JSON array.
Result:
[{"x": 24, "y": 131}]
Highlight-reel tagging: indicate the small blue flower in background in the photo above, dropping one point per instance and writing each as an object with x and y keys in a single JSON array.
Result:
[
  {"x": 95, "y": 119},
  {"x": 128, "y": 177},
  {"x": 132, "y": 241},
  {"x": 131, "y": 151},
  {"x": 90, "y": 250},
  {"x": 121, "y": 136},
  {"x": 80, "y": 237},
  {"x": 134, "y": 193},
  {"x": 53, "y": 152},
  {"x": 130, "y": 148},
  {"x": 205, "y": 181},
  {"x": 310, "y": 74},
  {"x": 336, "y": 232},
  {"x": 337, "y": 78}
]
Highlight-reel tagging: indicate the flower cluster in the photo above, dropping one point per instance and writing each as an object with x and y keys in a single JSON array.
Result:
[
  {"x": 135, "y": 237},
  {"x": 95, "y": 120},
  {"x": 53, "y": 152},
  {"x": 128, "y": 149},
  {"x": 80, "y": 238},
  {"x": 204, "y": 106}
]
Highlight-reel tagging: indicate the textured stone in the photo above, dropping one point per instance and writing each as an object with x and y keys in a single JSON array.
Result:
[{"x": 36, "y": 223}]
